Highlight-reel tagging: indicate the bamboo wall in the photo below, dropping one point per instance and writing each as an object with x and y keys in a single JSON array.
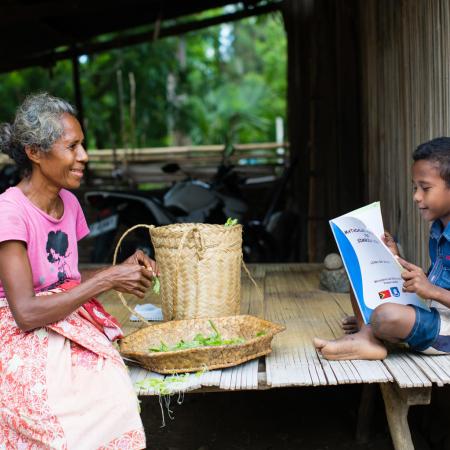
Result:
[{"x": 405, "y": 57}]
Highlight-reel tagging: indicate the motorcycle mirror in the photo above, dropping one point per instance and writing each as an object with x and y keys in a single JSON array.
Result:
[{"x": 170, "y": 168}]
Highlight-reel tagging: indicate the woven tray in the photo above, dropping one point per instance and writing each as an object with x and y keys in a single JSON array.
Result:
[{"x": 136, "y": 345}]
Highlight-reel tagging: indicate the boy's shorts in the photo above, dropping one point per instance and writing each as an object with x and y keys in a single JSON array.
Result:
[{"x": 431, "y": 330}]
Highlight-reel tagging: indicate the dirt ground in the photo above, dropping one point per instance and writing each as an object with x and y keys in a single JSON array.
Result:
[{"x": 287, "y": 419}]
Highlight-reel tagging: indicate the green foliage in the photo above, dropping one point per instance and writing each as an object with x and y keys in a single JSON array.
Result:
[
  {"x": 230, "y": 222},
  {"x": 162, "y": 386},
  {"x": 156, "y": 285},
  {"x": 215, "y": 339},
  {"x": 228, "y": 85}
]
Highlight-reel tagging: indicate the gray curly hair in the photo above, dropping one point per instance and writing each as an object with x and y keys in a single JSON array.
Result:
[{"x": 37, "y": 124}]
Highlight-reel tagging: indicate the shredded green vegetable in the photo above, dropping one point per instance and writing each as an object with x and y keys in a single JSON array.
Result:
[
  {"x": 166, "y": 388},
  {"x": 156, "y": 285},
  {"x": 230, "y": 222},
  {"x": 199, "y": 340},
  {"x": 162, "y": 386}
]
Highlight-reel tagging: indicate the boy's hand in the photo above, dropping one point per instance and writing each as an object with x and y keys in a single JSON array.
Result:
[
  {"x": 416, "y": 280},
  {"x": 390, "y": 243}
]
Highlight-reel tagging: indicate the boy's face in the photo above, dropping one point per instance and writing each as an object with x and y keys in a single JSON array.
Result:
[{"x": 431, "y": 192}]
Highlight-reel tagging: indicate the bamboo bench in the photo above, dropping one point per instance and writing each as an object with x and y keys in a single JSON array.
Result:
[{"x": 292, "y": 297}]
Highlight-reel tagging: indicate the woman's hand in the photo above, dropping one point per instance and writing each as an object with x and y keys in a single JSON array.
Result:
[
  {"x": 390, "y": 243},
  {"x": 129, "y": 278},
  {"x": 139, "y": 257},
  {"x": 416, "y": 280}
]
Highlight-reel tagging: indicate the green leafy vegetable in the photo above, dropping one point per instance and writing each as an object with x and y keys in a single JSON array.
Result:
[
  {"x": 230, "y": 222},
  {"x": 156, "y": 285},
  {"x": 215, "y": 339},
  {"x": 162, "y": 386},
  {"x": 261, "y": 333}
]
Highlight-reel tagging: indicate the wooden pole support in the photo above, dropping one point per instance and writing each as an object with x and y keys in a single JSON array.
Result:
[{"x": 397, "y": 402}]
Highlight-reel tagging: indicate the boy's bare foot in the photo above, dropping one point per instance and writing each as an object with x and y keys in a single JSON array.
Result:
[
  {"x": 360, "y": 345},
  {"x": 350, "y": 324}
]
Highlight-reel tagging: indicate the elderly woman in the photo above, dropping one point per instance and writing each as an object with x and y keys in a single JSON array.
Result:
[{"x": 62, "y": 383}]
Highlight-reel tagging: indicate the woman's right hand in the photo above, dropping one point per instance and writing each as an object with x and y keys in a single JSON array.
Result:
[
  {"x": 390, "y": 243},
  {"x": 129, "y": 278}
]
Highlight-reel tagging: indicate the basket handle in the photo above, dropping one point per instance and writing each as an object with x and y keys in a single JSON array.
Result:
[
  {"x": 200, "y": 251},
  {"x": 122, "y": 298},
  {"x": 260, "y": 292}
]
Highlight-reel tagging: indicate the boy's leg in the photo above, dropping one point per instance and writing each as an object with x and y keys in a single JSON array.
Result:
[
  {"x": 390, "y": 322},
  {"x": 352, "y": 324}
]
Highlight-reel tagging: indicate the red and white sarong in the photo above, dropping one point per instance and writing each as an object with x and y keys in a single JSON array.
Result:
[{"x": 64, "y": 386}]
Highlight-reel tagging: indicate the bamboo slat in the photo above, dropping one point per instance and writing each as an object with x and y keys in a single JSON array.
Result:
[
  {"x": 244, "y": 376},
  {"x": 406, "y": 375},
  {"x": 291, "y": 297}
]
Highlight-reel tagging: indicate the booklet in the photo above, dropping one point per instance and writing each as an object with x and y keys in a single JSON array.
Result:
[{"x": 373, "y": 271}]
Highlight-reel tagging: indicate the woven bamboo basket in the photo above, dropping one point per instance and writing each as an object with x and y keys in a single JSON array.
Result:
[
  {"x": 200, "y": 269},
  {"x": 136, "y": 345}
]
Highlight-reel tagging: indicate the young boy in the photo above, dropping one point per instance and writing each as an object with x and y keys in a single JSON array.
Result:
[{"x": 424, "y": 331}]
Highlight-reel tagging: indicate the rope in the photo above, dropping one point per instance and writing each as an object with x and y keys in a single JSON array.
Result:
[
  {"x": 260, "y": 292},
  {"x": 122, "y": 298}
]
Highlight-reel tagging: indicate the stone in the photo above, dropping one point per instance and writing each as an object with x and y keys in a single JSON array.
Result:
[
  {"x": 334, "y": 280},
  {"x": 333, "y": 262},
  {"x": 333, "y": 277}
]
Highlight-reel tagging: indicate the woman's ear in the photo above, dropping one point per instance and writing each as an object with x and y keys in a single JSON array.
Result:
[{"x": 33, "y": 153}]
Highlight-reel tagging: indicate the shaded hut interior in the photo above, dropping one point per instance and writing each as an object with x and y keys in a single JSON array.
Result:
[{"x": 367, "y": 82}]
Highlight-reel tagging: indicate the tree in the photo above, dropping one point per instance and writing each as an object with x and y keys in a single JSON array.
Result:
[{"x": 229, "y": 87}]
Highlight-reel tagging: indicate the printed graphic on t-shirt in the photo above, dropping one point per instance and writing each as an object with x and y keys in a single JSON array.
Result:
[{"x": 56, "y": 248}]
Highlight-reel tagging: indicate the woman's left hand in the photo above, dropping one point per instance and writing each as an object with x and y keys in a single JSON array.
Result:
[
  {"x": 139, "y": 257},
  {"x": 416, "y": 280}
]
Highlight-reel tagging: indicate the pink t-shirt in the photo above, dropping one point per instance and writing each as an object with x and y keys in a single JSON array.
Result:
[{"x": 51, "y": 243}]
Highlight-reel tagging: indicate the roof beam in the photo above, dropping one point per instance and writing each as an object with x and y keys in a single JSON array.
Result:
[{"x": 49, "y": 58}]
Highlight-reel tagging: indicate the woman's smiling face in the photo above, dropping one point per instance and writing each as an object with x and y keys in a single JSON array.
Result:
[
  {"x": 64, "y": 164},
  {"x": 431, "y": 192}
]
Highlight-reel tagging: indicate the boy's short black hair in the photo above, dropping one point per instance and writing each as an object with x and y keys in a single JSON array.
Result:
[{"x": 437, "y": 150}]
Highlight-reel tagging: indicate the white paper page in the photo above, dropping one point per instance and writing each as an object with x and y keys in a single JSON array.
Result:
[
  {"x": 371, "y": 216},
  {"x": 374, "y": 273}
]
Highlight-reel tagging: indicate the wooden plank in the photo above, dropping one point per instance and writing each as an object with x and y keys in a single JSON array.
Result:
[
  {"x": 405, "y": 375},
  {"x": 295, "y": 301},
  {"x": 291, "y": 297},
  {"x": 287, "y": 365},
  {"x": 434, "y": 374},
  {"x": 416, "y": 374}
]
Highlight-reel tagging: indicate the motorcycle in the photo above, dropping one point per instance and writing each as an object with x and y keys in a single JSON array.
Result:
[
  {"x": 9, "y": 176},
  {"x": 187, "y": 201}
]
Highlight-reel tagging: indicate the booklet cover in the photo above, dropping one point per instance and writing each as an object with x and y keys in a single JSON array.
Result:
[{"x": 373, "y": 271}]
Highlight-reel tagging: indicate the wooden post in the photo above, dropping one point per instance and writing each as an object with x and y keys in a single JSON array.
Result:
[
  {"x": 323, "y": 117},
  {"x": 297, "y": 15},
  {"x": 397, "y": 402},
  {"x": 79, "y": 101},
  {"x": 77, "y": 88}
]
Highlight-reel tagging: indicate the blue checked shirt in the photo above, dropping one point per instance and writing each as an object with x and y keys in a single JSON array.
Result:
[{"x": 439, "y": 246}]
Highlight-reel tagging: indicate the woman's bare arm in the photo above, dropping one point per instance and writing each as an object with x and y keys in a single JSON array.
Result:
[
  {"x": 86, "y": 274},
  {"x": 31, "y": 311},
  {"x": 139, "y": 257}
]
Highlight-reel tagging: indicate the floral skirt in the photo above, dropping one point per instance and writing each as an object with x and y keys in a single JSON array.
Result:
[{"x": 64, "y": 386}]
